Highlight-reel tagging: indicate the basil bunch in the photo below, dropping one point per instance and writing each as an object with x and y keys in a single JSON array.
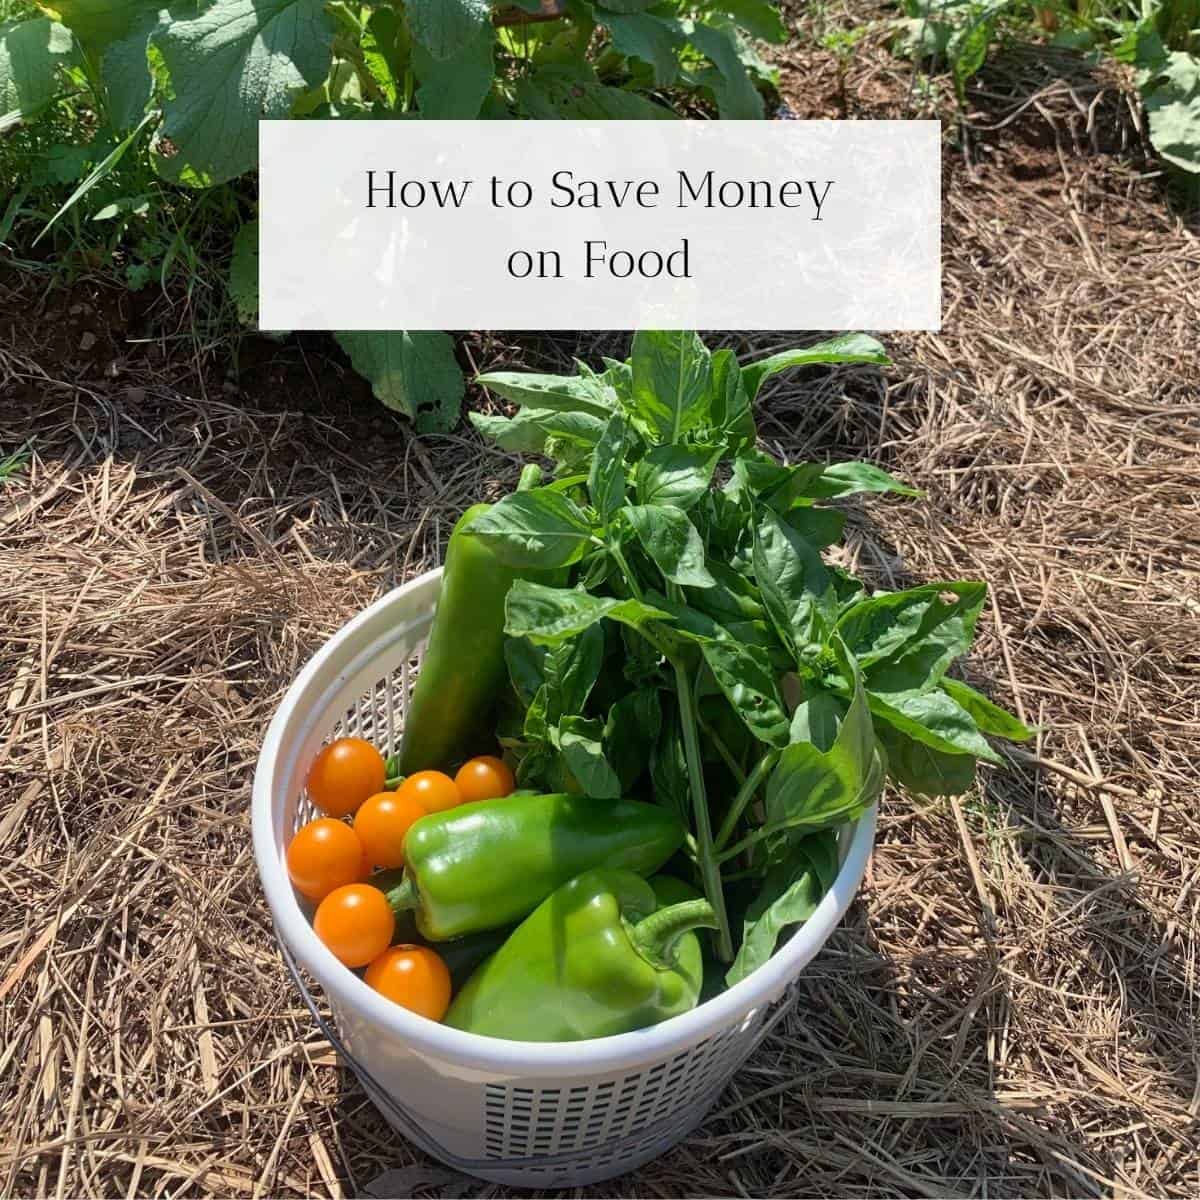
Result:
[{"x": 704, "y": 651}]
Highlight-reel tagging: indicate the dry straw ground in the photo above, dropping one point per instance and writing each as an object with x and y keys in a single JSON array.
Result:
[{"x": 1013, "y": 1006}]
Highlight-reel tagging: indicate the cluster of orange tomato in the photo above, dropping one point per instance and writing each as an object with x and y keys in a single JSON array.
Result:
[{"x": 329, "y": 861}]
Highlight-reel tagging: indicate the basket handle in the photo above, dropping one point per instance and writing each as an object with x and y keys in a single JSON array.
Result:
[{"x": 411, "y": 1127}]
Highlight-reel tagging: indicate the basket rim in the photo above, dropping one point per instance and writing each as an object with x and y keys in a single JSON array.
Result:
[{"x": 345, "y": 990}]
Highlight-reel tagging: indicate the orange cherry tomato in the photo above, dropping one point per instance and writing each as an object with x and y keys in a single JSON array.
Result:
[
  {"x": 356, "y": 923},
  {"x": 432, "y": 790},
  {"x": 484, "y": 778},
  {"x": 325, "y": 854},
  {"x": 381, "y": 824},
  {"x": 344, "y": 774},
  {"x": 414, "y": 977}
]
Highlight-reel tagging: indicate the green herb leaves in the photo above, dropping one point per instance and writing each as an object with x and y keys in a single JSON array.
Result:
[
  {"x": 537, "y": 528},
  {"x": 707, "y": 654}
]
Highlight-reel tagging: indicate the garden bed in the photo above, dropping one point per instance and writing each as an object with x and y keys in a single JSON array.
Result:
[{"x": 1011, "y": 1006}]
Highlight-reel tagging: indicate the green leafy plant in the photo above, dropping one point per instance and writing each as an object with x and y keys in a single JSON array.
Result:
[
  {"x": 186, "y": 86},
  {"x": 701, "y": 647},
  {"x": 1160, "y": 39}
]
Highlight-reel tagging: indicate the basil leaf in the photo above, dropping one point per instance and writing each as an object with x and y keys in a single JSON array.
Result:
[
  {"x": 671, "y": 380},
  {"x": 525, "y": 669},
  {"x": 882, "y": 626},
  {"x": 527, "y": 431},
  {"x": 675, "y": 475},
  {"x": 920, "y": 768},
  {"x": 732, "y": 596},
  {"x": 936, "y": 720},
  {"x": 743, "y": 672},
  {"x": 672, "y": 542},
  {"x": 818, "y": 719},
  {"x": 848, "y": 348},
  {"x": 631, "y": 733},
  {"x": 820, "y": 527},
  {"x": 795, "y": 586},
  {"x": 571, "y": 669},
  {"x": 791, "y": 892},
  {"x": 819, "y": 788},
  {"x": 547, "y": 614},
  {"x": 606, "y": 478},
  {"x": 537, "y": 528},
  {"x": 990, "y": 718},
  {"x": 562, "y": 393},
  {"x": 946, "y": 631},
  {"x": 579, "y": 740},
  {"x": 846, "y": 478},
  {"x": 731, "y": 411}
]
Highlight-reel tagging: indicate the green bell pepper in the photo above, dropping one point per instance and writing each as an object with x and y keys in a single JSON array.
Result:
[
  {"x": 482, "y": 865},
  {"x": 596, "y": 958},
  {"x": 463, "y": 672}
]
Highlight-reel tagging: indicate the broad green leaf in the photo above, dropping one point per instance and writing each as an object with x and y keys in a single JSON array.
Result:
[
  {"x": 524, "y": 660},
  {"x": 125, "y": 71},
  {"x": 936, "y": 720},
  {"x": 818, "y": 788},
  {"x": 846, "y": 348},
  {"x": 580, "y": 742},
  {"x": 548, "y": 614},
  {"x": 759, "y": 18},
  {"x": 945, "y": 632},
  {"x": 562, "y": 393},
  {"x": 922, "y": 769},
  {"x": 386, "y": 51},
  {"x": 736, "y": 96},
  {"x": 818, "y": 719},
  {"x": 672, "y": 542},
  {"x": 571, "y": 669},
  {"x": 413, "y": 372},
  {"x": 221, "y": 72},
  {"x": 672, "y": 380},
  {"x": 732, "y": 596},
  {"x": 631, "y": 733},
  {"x": 537, "y": 528},
  {"x": 445, "y": 27},
  {"x": 551, "y": 94},
  {"x": 743, "y": 672},
  {"x": 31, "y": 55},
  {"x": 653, "y": 39},
  {"x": 606, "y": 479},
  {"x": 1171, "y": 96},
  {"x": 791, "y": 892},
  {"x": 846, "y": 478},
  {"x": 454, "y": 87},
  {"x": 243, "y": 273},
  {"x": 990, "y": 718},
  {"x": 97, "y": 22},
  {"x": 820, "y": 527},
  {"x": 676, "y": 475},
  {"x": 886, "y": 626},
  {"x": 731, "y": 409},
  {"x": 795, "y": 586},
  {"x": 528, "y": 431}
]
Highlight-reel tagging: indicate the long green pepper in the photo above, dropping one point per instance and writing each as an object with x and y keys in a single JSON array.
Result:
[
  {"x": 462, "y": 670},
  {"x": 487, "y": 864}
]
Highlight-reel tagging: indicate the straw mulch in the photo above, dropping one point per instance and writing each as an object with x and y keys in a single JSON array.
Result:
[{"x": 1012, "y": 1008}]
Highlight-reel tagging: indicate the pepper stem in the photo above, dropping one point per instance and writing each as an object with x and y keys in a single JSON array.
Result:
[
  {"x": 656, "y": 936},
  {"x": 400, "y": 890}
]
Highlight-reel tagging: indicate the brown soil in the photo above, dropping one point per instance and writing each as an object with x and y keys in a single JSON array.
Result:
[{"x": 1012, "y": 1007}]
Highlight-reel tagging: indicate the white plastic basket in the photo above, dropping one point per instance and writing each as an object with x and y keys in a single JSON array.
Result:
[{"x": 529, "y": 1114}]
